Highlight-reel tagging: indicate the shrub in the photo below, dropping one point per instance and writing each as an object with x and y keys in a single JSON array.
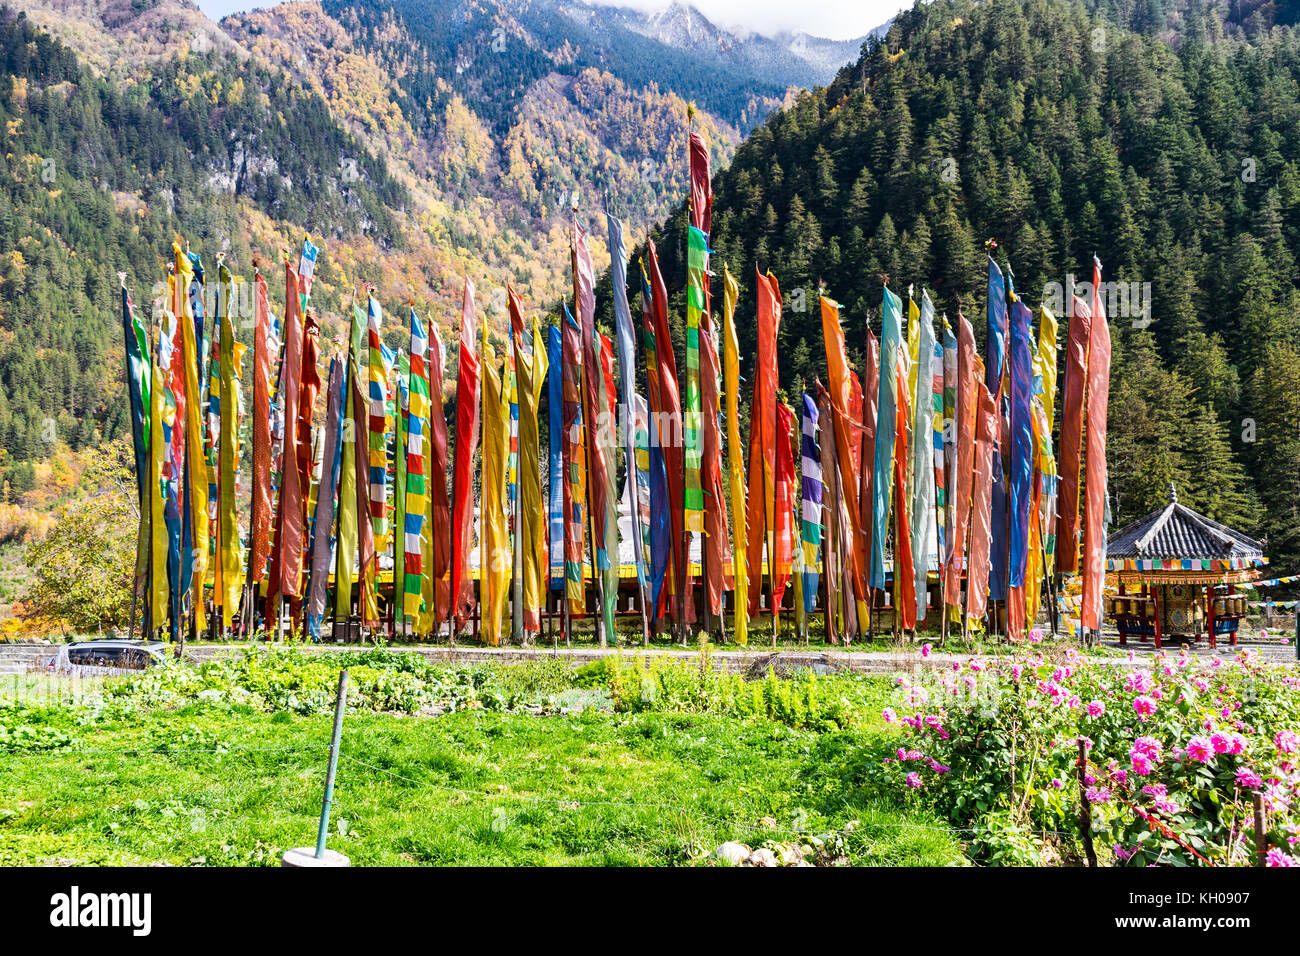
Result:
[
  {"x": 668, "y": 684},
  {"x": 1168, "y": 760}
]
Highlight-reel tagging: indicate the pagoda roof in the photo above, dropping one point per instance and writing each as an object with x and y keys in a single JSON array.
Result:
[{"x": 1177, "y": 532}]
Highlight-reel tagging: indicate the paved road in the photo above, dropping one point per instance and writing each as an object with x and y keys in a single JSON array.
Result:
[{"x": 1282, "y": 652}]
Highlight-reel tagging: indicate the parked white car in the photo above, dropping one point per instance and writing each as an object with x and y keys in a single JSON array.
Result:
[{"x": 107, "y": 657}]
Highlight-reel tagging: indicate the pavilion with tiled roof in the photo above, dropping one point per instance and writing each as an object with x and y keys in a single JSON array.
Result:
[{"x": 1176, "y": 570}]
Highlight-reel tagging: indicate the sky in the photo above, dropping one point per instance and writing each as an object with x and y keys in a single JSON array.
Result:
[{"x": 837, "y": 19}]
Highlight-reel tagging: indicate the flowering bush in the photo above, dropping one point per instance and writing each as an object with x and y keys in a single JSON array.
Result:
[{"x": 1162, "y": 758}]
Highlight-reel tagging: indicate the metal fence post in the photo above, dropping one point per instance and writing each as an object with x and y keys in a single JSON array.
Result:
[{"x": 304, "y": 856}]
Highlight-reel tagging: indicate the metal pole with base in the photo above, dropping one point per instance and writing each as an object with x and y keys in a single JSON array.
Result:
[{"x": 304, "y": 856}]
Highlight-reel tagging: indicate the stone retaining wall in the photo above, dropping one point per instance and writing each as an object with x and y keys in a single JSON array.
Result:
[{"x": 750, "y": 663}]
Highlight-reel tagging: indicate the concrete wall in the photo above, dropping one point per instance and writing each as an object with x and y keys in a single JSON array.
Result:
[{"x": 751, "y": 663}]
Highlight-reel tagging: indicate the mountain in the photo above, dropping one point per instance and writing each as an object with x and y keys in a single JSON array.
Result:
[
  {"x": 789, "y": 59},
  {"x": 1177, "y": 164},
  {"x": 417, "y": 149}
]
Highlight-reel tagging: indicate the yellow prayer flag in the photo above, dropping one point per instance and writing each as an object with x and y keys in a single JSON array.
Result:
[
  {"x": 532, "y": 372},
  {"x": 494, "y": 540}
]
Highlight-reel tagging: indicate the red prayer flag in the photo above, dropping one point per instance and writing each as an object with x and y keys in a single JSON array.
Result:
[
  {"x": 870, "y": 411},
  {"x": 1076, "y": 375},
  {"x": 286, "y": 555},
  {"x": 439, "y": 504},
  {"x": 1095, "y": 489},
  {"x": 967, "y": 415},
  {"x": 717, "y": 533},
  {"x": 260, "y": 524},
  {"x": 701, "y": 189},
  {"x": 467, "y": 427},
  {"x": 904, "y": 573},
  {"x": 783, "y": 495},
  {"x": 981, "y": 535},
  {"x": 845, "y": 395},
  {"x": 308, "y": 391},
  {"x": 759, "y": 503}
]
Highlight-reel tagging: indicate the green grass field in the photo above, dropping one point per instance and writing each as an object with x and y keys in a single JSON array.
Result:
[{"x": 554, "y": 776}]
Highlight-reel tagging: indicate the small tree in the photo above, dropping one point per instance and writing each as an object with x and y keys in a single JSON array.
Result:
[{"x": 82, "y": 572}]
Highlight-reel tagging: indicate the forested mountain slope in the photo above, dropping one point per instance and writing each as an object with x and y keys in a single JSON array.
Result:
[
  {"x": 133, "y": 122},
  {"x": 1178, "y": 167}
]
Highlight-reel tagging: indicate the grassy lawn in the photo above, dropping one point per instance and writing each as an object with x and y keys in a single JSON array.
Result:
[{"x": 553, "y": 776}]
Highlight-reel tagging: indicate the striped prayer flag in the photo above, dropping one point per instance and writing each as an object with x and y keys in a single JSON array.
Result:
[
  {"x": 575, "y": 467},
  {"x": 810, "y": 526},
  {"x": 416, "y": 497},
  {"x": 697, "y": 264},
  {"x": 381, "y": 368}
]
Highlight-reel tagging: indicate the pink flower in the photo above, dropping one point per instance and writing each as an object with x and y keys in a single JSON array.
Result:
[
  {"x": 914, "y": 780},
  {"x": 925, "y": 650},
  {"x": 976, "y": 666},
  {"x": 1199, "y": 749},
  {"x": 1279, "y": 857},
  {"x": 1247, "y": 779},
  {"x": 1149, "y": 746},
  {"x": 1057, "y": 783},
  {"x": 1156, "y": 790},
  {"x": 1098, "y": 794},
  {"x": 1144, "y": 706},
  {"x": 1123, "y": 854},
  {"x": 1137, "y": 683},
  {"x": 1141, "y": 764},
  {"x": 1287, "y": 741},
  {"x": 889, "y": 715},
  {"x": 1096, "y": 708},
  {"x": 1221, "y": 742}
]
